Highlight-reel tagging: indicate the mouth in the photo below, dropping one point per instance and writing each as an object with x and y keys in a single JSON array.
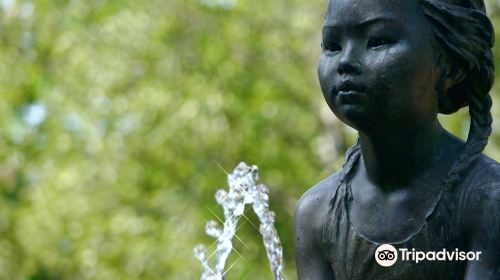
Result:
[
  {"x": 351, "y": 97},
  {"x": 350, "y": 92},
  {"x": 349, "y": 85}
]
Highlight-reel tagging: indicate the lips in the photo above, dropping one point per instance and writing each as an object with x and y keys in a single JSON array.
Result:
[
  {"x": 350, "y": 86},
  {"x": 350, "y": 92}
]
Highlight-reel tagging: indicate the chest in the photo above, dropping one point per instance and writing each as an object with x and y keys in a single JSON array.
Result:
[
  {"x": 390, "y": 218},
  {"x": 351, "y": 238}
]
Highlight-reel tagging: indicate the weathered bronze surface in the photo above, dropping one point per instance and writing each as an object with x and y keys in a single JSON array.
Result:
[{"x": 387, "y": 68}]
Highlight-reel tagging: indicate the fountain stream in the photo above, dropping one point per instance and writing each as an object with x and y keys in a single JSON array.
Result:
[{"x": 243, "y": 190}]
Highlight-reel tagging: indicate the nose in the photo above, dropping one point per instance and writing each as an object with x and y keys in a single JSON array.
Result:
[{"x": 349, "y": 62}]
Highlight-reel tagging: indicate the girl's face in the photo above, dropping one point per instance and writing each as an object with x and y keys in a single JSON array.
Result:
[{"x": 377, "y": 67}]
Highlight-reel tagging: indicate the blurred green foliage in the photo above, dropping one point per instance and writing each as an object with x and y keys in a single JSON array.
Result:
[{"x": 120, "y": 119}]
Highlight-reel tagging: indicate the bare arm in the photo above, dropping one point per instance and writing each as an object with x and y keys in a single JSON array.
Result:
[
  {"x": 484, "y": 231},
  {"x": 309, "y": 256}
]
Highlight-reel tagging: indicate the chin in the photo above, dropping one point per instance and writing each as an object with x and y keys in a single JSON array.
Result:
[{"x": 353, "y": 114}]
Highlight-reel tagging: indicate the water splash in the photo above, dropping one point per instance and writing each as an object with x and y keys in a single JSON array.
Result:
[{"x": 243, "y": 190}]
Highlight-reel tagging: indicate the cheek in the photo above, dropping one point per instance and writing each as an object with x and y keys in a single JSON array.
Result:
[
  {"x": 393, "y": 65},
  {"x": 415, "y": 83},
  {"x": 402, "y": 85},
  {"x": 325, "y": 67},
  {"x": 326, "y": 75},
  {"x": 394, "y": 80},
  {"x": 399, "y": 75}
]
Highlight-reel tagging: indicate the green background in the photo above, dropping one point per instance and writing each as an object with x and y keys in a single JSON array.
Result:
[{"x": 120, "y": 119}]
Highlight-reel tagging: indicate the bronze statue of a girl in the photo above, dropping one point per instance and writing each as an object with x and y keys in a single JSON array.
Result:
[{"x": 387, "y": 68}]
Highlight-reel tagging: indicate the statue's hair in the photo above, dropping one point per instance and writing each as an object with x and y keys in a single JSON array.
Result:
[
  {"x": 464, "y": 37},
  {"x": 463, "y": 40}
]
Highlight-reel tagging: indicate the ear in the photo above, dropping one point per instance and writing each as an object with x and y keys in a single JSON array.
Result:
[
  {"x": 451, "y": 77},
  {"x": 451, "y": 95}
]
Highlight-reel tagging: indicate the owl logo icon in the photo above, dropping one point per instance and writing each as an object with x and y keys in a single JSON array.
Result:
[{"x": 386, "y": 255}]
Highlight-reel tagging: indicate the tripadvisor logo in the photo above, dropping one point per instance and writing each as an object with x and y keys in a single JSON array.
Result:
[{"x": 387, "y": 255}]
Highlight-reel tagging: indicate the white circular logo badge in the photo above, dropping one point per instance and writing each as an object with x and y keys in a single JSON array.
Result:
[{"x": 386, "y": 255}]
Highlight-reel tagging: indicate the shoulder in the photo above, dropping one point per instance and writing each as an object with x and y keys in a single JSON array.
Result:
[
  {"x": 318, "y": 196},
  {"x": 311, "y": 260},
  {"x": 485, "y": 171},
  {"x": 481, "y": 217},
  {"x": 313, "y": 205},
  {"x": 481, "y": 198},
  {"x": 482, "y": 183}
]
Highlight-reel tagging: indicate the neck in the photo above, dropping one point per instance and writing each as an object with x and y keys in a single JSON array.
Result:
[{"x": 394, "y": 158}]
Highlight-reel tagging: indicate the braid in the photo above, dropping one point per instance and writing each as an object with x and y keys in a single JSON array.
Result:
[
  {"x": 350, "y": 159},
  {"x": 464, "y": 36},
  {"x": 480, "y": 130}
]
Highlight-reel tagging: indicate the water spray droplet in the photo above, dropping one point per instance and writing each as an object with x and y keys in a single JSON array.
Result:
[
  {"x": 200, "y": 252},
  {"x": 220, "y": 196},
  {"x": 238, "y": 211},
  {"x": 212, "y": 229}
]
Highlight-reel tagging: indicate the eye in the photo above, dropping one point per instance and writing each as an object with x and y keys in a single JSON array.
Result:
[
  {"x": 330, "y": 47},
  {"x": 379, "y": 41}
]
